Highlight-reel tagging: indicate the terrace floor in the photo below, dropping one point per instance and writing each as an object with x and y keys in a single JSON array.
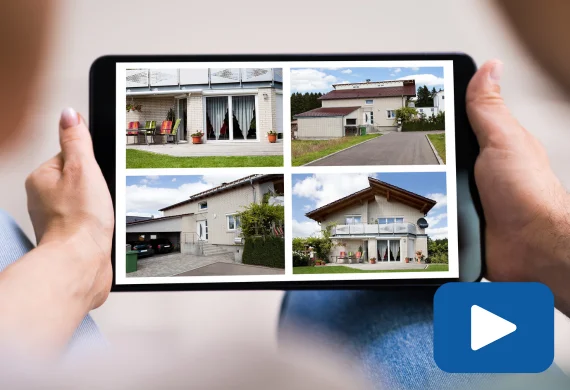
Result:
[
  {"x": 384, "y": 265},
  {"x": 223, "y": 148}
]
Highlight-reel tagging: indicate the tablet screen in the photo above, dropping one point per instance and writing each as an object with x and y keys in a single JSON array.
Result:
[{"x": 285, "y": 171}]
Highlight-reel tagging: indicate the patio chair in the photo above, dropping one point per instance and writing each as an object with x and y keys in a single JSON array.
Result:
[
  {"x": 132, "y": 129},
  {"x": 174, "y": 132}
]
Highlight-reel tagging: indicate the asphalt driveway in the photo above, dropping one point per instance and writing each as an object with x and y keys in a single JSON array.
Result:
[
  {"x": 219, "y": 269},
  {"x": 406, "y": 148}
]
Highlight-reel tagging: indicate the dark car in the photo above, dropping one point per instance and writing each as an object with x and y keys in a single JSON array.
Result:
[
  {"x": 143, "y": 248},
  {"x": 161, "y": 245}
]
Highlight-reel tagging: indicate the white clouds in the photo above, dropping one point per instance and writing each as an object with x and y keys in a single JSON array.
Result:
[
  {"x": 153, "y": 177},
  {"x": 142, "y": 199},
  {"x": 392, "y": 74},
  {"x": 434, "y": 220},
  {"x": 424, "y": 79},
  {"x": 306, "y": 229},
  {"x": 415, "y": 68},
  {"x": 307, "y": 207},
  {"x": 326, "y": 188},
  {"x": 307, "y": 80},
  {"x": 346, "y": 71},
  {"x": 173, "y": 180},
  {"x": 437, "y": 233},
  {"x": 397, "y": 70},
  {"x": 440, "y": 198}
]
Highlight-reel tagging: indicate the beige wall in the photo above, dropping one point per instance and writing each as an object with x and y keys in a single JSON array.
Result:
[
  {"x": 153, "y": 109},
  {"x": 195, "y": 114},
  {"x": 338, "y": 217},
  {"x": 308, "y": 128},
  {"x": 267, "y": 115},
  {"x": 379, "y": 107},
  {"x": 382, "y": 208},
  {"x": 219, "y": 205},
  {"x": 421, "y": 244}
]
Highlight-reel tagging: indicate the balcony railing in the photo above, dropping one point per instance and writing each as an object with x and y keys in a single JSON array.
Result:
[
  {"x": 145, "y": 78},
  {"x": 365, "y": 229}
]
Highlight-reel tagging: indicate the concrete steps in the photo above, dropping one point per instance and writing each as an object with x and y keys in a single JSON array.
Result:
[{"x": 212, "y": 250}]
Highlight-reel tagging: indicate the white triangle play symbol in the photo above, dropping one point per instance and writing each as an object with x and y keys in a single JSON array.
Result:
[{"x": 487, "y": 327}]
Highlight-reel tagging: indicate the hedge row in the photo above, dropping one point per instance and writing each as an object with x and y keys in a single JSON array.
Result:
[
  {"x": 300, "y": 260},
  {"x": 264, "y": 251},
  {"x": 422, "y": 126}
]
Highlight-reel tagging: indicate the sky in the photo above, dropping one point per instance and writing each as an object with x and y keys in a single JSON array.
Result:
[
  {"x": 147, "y": 194},
  {"x": 315, "y": 190},
  {"x": 321, "y": 79}
]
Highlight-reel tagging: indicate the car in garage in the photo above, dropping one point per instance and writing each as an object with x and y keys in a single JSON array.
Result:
[
  {"x": 161, "y": 245},
  {"x": 143, "y": 248}
]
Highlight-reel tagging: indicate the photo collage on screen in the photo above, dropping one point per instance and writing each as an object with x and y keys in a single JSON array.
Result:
[{"x": 285, "y": 171}]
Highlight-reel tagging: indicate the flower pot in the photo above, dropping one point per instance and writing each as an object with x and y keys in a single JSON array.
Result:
[
  {"x": 196, "y": 140},
  {"x": 272, "y": 138},
  {"x": 407, "y": 260}
]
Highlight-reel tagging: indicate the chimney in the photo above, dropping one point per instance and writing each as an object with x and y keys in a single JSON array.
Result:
[{"x": 367, "y": 80}]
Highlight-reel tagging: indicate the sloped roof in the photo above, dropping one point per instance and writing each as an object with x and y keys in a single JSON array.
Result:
[
  {"x": 224, "y": 187},
  {"x": 327, "y": 111},
  {"x": 377, "y": 187},
  {"x": 409, "y": 89}
]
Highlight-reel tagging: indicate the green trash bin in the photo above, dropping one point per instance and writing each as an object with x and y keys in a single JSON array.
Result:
[
  {"x": 362, "y": 130},
  {"x": 132, "y": 258}
]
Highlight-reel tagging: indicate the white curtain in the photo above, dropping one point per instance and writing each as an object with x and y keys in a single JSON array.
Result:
[
  {"x": 216, "y": 109},
  {"x": 382, "y": 246},
  {"x": 395, "y": 249},
  {"x": 243, "y": 107}
]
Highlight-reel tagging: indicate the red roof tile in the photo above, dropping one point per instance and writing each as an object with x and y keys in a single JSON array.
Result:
[
  {"x": 327, "y": 111},
  {"x": 409, "y": 89}
]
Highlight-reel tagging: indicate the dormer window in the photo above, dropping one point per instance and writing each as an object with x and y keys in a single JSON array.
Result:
[{"x": 369, "y": 102}]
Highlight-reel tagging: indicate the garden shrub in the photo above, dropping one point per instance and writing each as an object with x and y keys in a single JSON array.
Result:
[
  {"x": 433, "y": 122},
  {"x": 300, "y": 260},
  {"x": 265, "y": 251}
]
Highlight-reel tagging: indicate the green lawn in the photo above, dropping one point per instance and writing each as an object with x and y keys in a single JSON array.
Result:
[
  {"x": 141, "y": 159},
  {"x": 340, "y": 269},
  {"x": 438, "y": 141},
  {"x": 303, "y": 152}
]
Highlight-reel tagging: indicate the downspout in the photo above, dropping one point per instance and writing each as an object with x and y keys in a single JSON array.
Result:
[{"x": 253, "y": 190}]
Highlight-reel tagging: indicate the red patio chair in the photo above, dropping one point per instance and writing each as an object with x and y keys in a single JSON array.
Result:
[
  {"x": 132, "y": 129},
  {"x": 166, "y": 127}
]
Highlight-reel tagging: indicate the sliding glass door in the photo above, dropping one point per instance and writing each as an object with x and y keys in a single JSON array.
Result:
[{"x": 242, "y": 125}]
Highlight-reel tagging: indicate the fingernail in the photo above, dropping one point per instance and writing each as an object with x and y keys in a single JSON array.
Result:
[
  {"x": 69, "y": 118},
  {"x": 496, "y": 72}
]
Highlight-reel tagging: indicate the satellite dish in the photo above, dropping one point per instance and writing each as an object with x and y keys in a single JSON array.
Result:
[{"x": 422, "y": 223}]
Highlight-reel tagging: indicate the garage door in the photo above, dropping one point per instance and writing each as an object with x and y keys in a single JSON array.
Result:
[{"x": 279, "y": 114}]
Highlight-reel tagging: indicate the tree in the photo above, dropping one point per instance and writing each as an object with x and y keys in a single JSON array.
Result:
[
  {"x": 425, "y": 98},
  {"x": 304, "y": 102},
  {"x": 405, "y": 114},
  {"x": 259, "y": 219}
]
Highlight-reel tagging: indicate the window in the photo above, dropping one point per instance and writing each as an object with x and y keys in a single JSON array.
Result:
[
  {"x": 232, "y": 221},
  {"x": 390, "y": 114},
  {"x": 442, "y": 97},
  {"x": 432, "y": 109},
  {"x": 353, "y": 219},
  {"x": 203, "y": 205},
  {"x": 386, "y": 221},
  {"x": 350, "y": 121},
  {"x": 369, "y": 101},
  {"x": 371, "y": 118}
]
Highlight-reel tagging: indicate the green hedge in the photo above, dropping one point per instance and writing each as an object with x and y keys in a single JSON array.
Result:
[
  {"x": 422, "y": 126},
  {"x": 264, "y": 251},
  {"x": 300, "y": 260}
]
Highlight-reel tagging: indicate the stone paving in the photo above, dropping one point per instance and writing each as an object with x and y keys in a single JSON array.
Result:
[
  {"x": 176, "y": 263},
  {"x": 219, "y": 269}
]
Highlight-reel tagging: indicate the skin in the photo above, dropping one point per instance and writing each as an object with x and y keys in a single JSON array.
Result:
[{"x": 69, "y": 273}]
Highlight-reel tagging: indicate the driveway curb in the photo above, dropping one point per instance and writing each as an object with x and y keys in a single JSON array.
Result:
[
  {"x": 439, "y": 160},
  {"x": 332, "y": 154}
]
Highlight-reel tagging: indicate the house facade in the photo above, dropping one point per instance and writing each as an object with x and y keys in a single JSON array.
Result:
[
  {"x": 226, "y": 104},
  {"x": 386, "y": 221},
  {"x": 210, "y": 217},
  {"x": 438, "y": 105},
  {"x": 350, "y": 106}
]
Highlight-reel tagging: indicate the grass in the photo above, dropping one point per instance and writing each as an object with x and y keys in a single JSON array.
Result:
[
  {"x": 303, "y": 152},
  {"x": 340, "y": 269},
  {"x": 438, "y": 141},
  {"x": 141, "y": 159}
]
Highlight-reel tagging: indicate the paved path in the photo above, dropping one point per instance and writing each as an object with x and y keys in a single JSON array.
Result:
[
  {"x": 407, "y": 148},
  {"x": 176, "y": 263},
  {"x": 219, "y": 269},
  {"x": 261, "y": 148}
]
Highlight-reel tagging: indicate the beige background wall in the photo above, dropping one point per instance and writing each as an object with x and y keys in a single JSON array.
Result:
[{"x": 86, "y": 30}]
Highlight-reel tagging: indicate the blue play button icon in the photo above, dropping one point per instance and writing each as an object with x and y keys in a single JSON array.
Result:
[{"x": 493, "y": 327}]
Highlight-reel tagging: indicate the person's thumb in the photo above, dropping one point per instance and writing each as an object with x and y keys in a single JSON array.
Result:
[
  {"x": 490, "y": 118},
  {"x": 74, "y": 137}
]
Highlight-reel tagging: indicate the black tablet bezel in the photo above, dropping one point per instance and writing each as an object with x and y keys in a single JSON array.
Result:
[{"x": 102, "y": 123}]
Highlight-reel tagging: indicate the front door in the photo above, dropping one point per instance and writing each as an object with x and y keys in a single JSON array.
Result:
[
  {"x": 182, "y": 105},
  {"x": 202, "y": 230},
  {"x": 368, "y": 118}
]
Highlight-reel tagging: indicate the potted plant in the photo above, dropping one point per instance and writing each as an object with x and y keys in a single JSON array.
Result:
[
  {"x": 272, "y": 136},
  {"x": 373, "y": 260},
  {"x": 407, "y": 259},
  {"x": 197, "y": 137},
  {"x": 359, "y": 253},
  {"x": 420, "y": 256}
]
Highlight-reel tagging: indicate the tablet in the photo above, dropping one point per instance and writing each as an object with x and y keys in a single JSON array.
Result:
[{"x": 288, "y": 171}]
